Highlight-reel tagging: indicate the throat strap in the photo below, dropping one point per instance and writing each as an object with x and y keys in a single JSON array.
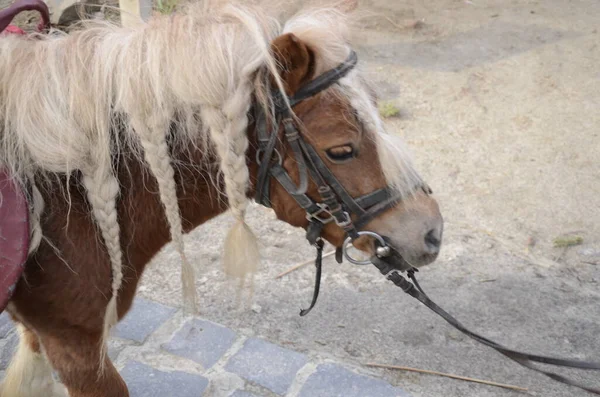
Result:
[{"x": 318, "y": 265}]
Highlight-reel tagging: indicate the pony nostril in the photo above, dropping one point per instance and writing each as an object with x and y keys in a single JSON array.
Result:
[{"x": 432, "y": 241}]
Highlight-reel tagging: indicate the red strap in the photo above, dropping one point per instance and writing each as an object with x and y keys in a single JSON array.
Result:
[
  {"x": 12, "y": 29},
  {"x": 9, "y": 13}
]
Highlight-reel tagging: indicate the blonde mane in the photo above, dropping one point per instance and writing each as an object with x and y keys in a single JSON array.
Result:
[{"x": 61, "y": 97}]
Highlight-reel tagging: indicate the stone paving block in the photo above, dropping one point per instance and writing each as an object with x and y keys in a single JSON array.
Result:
[
  {"x": 266, "y": 364},
  {"x": 331, "y": 380},
  {"x": 6, "y": 325},
  {"x": 114, "y": 351},
  {"x": 201, "y": 341},
  {"x": 144, "y": 318},
  {"x": 145, "y": 381},
  {"x": 7, "y": 351}
]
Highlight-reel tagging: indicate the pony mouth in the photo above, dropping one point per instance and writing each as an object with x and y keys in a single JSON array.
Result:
[
  {"x": 418, "y": 261},
  {"x": 398, "y": 259},
  {"x": 402, "y": 258},
  {"x": 380, "y": 248},
  {"x": 398, "y": 262}
]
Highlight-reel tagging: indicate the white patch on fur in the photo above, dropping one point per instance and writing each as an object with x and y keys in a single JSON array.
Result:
[{"x": 30, "y": 374}]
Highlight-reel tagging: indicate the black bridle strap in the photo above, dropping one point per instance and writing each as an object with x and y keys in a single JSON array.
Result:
[
  {"x": 363, "y": 208},
  {"x": 371, "y": 199},
  {"x": 385, "y": 203},
  {"x": 266, "y": 149},
  {"x": 281, "y": 175},
  {"x": 523, "y": 359},
  {"x": 318, "y": 264},
  {"x": 293, "y": 138},
  {"x": 268, "y": 140},
  {"x": 308, "y": 161},
  {"x": 331, "y": 180},
  {"x": 325, "y": 80}
]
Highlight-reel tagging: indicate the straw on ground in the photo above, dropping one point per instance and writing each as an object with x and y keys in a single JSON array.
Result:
[{"x": 425, "y": 371}]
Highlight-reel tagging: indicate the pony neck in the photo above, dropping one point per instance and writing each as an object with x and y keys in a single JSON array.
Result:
[{"x": 144, "y": 227}]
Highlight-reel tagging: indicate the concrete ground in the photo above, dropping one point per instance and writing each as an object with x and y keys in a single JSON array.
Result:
[{"x": 499, "y": 104}]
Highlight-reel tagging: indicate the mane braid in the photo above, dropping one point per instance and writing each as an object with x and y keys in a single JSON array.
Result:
[
  {"x": 102, "y": 191},
  {"x": 156, "y": 152},
  {"x": 37, "y": 208}
]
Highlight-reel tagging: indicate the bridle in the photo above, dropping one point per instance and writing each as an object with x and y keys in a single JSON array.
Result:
[{"x": 338, "y": 206}]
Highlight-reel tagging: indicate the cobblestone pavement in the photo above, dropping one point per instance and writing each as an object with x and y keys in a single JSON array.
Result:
[{"x": 161, "y": 353}]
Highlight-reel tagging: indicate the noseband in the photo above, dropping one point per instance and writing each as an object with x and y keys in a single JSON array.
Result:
[{"x": 338, "y": 206}]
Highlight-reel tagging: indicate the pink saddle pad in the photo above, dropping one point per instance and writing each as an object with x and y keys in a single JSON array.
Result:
[{"x": 14, "y": 236}]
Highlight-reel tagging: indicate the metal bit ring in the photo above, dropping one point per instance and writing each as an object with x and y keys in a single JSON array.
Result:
[{"x": 349, "y": 241}]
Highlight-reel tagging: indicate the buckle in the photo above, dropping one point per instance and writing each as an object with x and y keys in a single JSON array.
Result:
[
  {"x": 278, "y": 157},
  {"x": 393, "y": 272},
  {"x": 345, "y": 223},
  {"x": 323, "y": 208}
]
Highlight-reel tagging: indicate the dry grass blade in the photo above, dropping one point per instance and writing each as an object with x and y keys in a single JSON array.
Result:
[
  {"x": 425, "y": 371},
  {"x": 299, "y": 265},
  {"x": 567, "y": 241}
]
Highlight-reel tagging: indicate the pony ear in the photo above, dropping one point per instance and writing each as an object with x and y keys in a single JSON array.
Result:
[{"x": 295, "y": 60}]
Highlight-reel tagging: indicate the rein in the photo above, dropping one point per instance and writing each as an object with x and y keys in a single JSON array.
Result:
[
  {"x": 524, "y": 359},
  {"x": 337, "y": 205}
]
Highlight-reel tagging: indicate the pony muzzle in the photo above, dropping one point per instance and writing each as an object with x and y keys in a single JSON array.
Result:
[{"x": 383, "y": 251}]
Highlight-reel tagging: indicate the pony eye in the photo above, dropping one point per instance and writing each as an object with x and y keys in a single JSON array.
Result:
[{"x": 340, "y": 154}]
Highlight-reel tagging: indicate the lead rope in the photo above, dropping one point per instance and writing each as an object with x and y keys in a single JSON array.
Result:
[
  {"x": 524, "y": 359},
  {"x": 414, "y": 289}
]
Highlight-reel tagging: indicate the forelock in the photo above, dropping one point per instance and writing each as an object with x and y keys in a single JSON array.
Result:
[{"x": 393, "y": 154}]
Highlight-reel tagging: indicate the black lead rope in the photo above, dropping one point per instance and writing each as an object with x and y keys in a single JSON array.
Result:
[
  {"x": 524, "y": 359},
  {"x": 414, "y": 289}
]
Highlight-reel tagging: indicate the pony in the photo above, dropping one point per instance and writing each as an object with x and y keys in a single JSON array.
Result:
[{"x": 125, "y": 138}]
